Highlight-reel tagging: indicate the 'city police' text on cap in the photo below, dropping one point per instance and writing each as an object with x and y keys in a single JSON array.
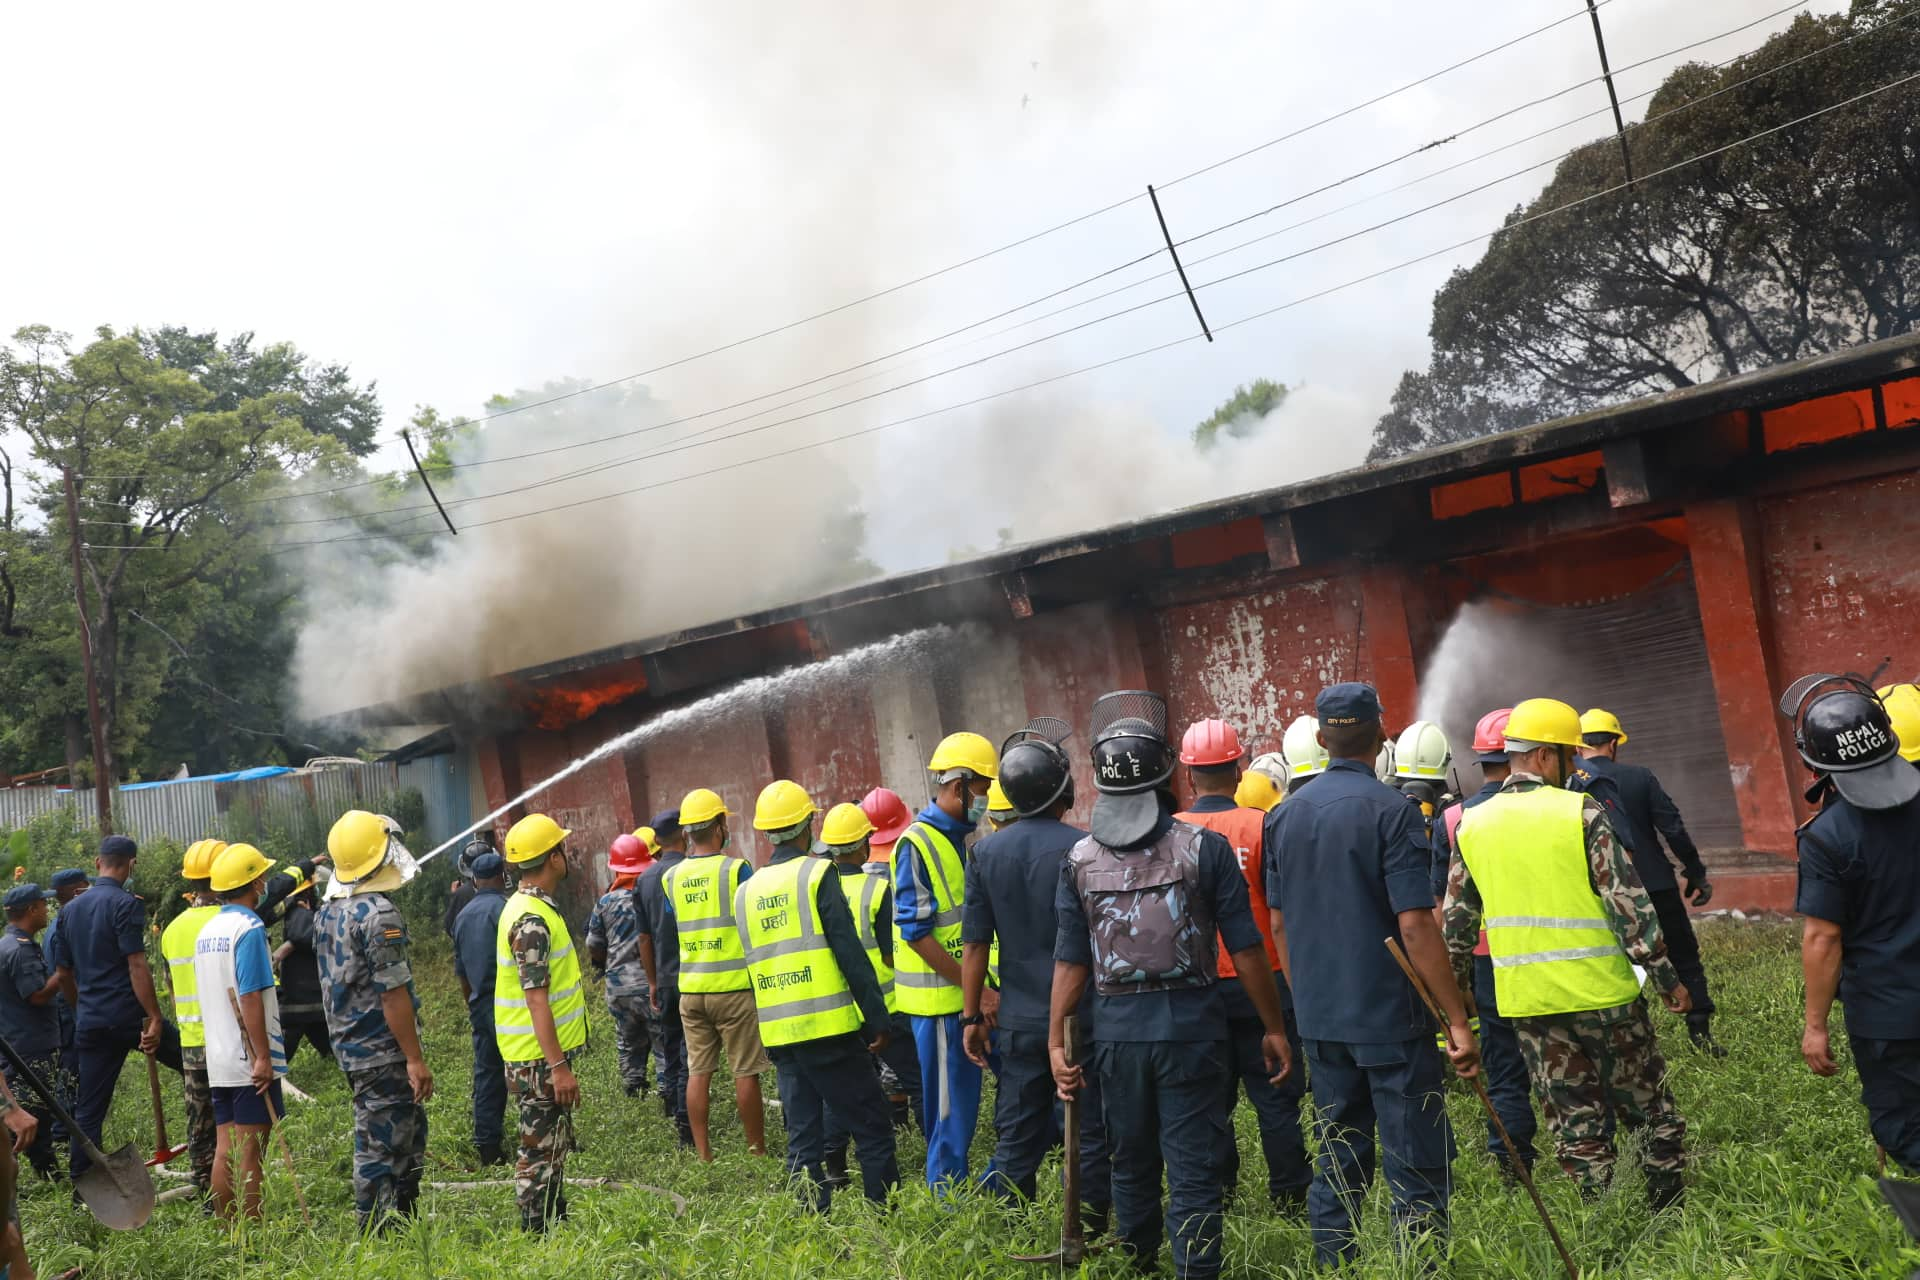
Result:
[{"x": 1346, "y": 704}]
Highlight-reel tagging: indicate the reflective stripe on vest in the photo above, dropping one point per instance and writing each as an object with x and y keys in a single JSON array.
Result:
[
  {"x": 863, "y": 898},
  {"x": 710, "y": 954},
  {"x": 918, "y": 989},
  {"x": 176, "y": 945},
  {"x": 798, "y": 988},
  {"x": 512, "y": 1022},
  {"x": 1547, "y": 931}
]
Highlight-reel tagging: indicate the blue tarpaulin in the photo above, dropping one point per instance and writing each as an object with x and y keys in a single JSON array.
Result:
[{"x": 238, "y": 775}]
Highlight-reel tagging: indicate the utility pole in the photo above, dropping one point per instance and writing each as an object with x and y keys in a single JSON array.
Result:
[
  {"x": 1606, "y": 73},
  {"x": 102, "y": 790}
]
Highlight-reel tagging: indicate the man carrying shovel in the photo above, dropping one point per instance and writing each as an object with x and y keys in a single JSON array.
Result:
[{"x": 244, "y": 1062}]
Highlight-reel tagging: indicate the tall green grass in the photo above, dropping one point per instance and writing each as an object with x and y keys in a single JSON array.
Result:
[{"x": 1781, "y": 1185}]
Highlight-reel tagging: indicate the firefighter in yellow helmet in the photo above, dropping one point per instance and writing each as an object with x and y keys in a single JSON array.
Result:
[
  {"x": 1567, "y": 919},
  {"x": 539, "y": 1019},
  {"x": 366, "y": 978},
  {"x": 1903, "y": 708},
  {"x": 176, "y": 947},
  {"x": 818, "y": 1000},
  {"x": 716, "y": 991},
  {"x": 929, "y": 885}
]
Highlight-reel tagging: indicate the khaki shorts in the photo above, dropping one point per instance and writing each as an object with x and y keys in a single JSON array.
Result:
[{"x": 722, "y": 1019}]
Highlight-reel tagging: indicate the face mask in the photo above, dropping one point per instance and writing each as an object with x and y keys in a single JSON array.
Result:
[{"x": 976, "y": 809}]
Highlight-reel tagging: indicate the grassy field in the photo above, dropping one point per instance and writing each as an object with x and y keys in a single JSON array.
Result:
[{"x": 1781, "y": 1185}]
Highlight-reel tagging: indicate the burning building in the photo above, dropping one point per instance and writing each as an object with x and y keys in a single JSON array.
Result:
[{"x": 1677, "y": 559}]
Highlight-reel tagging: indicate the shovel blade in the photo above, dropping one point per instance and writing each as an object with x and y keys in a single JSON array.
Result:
[
  {"x": 165, "y": 1155},
  {"x": 118, "y": 1190}
]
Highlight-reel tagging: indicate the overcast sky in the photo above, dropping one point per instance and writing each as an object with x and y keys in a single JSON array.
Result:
[{"x": 458, "y": 200}]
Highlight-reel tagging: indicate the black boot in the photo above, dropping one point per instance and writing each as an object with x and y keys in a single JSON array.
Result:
[
  {"x": 1701, "y": 1034},
  {"x": 1094, "y": 1219},
  {"x": 837, "y": 1177},
  {"x": 1291, "y": 1203},
  {"x": 492, "y": 1153},
  {"x": 1666, "y": 1196}
]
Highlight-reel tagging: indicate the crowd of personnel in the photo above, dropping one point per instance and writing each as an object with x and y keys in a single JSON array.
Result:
[{"x": 1151, "y": 967}]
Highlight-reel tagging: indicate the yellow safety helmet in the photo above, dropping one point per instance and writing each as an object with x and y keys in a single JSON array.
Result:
[
  {"x": 1903, "y": 708},
  {"x": 997, "y": 801},
  {"x": 358, "y": 844},
  {"x": 197, "y": 863},
  {"x": 967, "y": 752},
  {"x": 1598, "y": 720},
  {"x": 239, "y": 865},
  {"x": 1256, "y": 791},
  {"x": 534, "y": 836},
  {"x": 1544, "y": 722},
  {"x": 846, "y": 824},
  {"x": 701, "y": 807},
  {"x": 648, "y": 837},
  {"x": 783, "y": 805}
]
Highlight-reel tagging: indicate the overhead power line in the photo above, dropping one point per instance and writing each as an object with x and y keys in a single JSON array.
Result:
[
  {"x": 1151, "y": 350},
  {"x": 677, "y": 421}
]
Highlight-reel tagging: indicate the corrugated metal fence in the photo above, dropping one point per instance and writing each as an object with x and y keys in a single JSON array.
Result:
[{"x": 303, "y": 804}]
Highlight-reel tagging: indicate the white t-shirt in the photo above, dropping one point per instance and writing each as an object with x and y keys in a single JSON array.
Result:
[{"x": 232, "y": 955}]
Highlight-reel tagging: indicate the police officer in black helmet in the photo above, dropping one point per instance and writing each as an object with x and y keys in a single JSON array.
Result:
[
  {"x": 1860, "y": 893},
  {"x": 1141, "y": 901}
]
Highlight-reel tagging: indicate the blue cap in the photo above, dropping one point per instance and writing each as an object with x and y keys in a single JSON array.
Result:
[
  {"x": 666, "y": 819},
  {"x": 23, "y": 895},
  {"x": 68, "y": 878},
  {"x": 119, "y": 847},
  {"x": 1347, "y": 704},
  {"x": 488, "y": 865}
]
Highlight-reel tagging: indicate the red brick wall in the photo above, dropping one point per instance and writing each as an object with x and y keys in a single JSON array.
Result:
[{"x": 1843, "y": 568}]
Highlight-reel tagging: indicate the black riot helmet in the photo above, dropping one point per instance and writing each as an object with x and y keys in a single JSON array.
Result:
[
  {"x": 1843, "y": 732},
  {"x": 1132, "y": 760},
  {"x": 1034, "y": 771}
]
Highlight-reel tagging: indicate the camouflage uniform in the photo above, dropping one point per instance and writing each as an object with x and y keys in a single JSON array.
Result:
[
  {"x": 1590, "y": 1065},
  {"x": 361, "y": 945},
  {"x": 614, "y": 929},
  {"x": 202, "y": 1133},
  {"x": 546, "y": 1127}
]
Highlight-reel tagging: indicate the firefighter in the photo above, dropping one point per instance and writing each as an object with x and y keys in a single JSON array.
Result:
[
  {"x": 1860, "y": 894},
  {"x": 1143, "y": 903},
  {"x": 1212, "y": 752},
  {"x": 1421, "y": 755},
  {"x": 929, "y": 881},
  {"x": 1012, "y": 880},
  {"x": 1347, "y": 865},
  {"x": 818, "y": 999},
  {"x": 1903, "y": 709},
  {"x": 1300, "y": 748},
  {"x": 1566, "y": 920},
  {"x": 1649, "y": 814},
  {"x": 1501, "y": 1063}
]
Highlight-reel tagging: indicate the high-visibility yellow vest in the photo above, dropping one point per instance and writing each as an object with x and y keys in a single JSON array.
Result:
[
  {"x": 864, "y": 893},
  {"x": 711, "y": 958},
  {"x": 176, "y": 945},
  {"x": 798, "y": 988},
  {"x": 1553, "y": 950},
  {"x": 919, "y": 990},
  {"x": 512, "y": 1020}
]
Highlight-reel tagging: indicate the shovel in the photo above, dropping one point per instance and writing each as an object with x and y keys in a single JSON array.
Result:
[
  {"x": 1073, "y": 1245},
  {"x": 117, "y": 1188},
  {"x": 162, "y": 1150}
]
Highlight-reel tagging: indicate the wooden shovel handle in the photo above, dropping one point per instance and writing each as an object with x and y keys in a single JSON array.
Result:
[{"x": 160, "y": 1142}]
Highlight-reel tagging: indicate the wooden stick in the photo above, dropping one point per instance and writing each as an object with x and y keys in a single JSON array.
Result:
[
  {"x": 1520, "y": 1167},
  {"x": 273, "y": 1112}
]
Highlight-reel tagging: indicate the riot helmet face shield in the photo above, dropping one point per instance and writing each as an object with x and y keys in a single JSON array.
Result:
[
  {"x": 1034, "y": 772},
  {"x": 1842, "y": 731},
  {"x": 1132, "y": 764}
]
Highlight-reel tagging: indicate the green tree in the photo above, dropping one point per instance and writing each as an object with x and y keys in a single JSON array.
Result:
[
  {"x": 1801, "y": 242},
  {"x": 176, "y": 479},
  {"x": 1242, "y": 413}
]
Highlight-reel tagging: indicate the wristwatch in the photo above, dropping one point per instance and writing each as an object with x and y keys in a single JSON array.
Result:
[{"x": 972, "y": 1021}]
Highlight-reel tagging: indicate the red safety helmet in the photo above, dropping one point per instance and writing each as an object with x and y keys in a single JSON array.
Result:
[
  {"x": 888, "y": 813},
  {"x": 1210, "y": 742},
  {"x": 627, "y": 855},
  {"x": 1490, "y": 736}
]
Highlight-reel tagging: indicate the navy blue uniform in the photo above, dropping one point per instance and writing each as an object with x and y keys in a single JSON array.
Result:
[
  {"x": 669, "y": 1037},
  {"x": 34, "y": 1031},
  {"x": 476, "y": 958},
  {"x": 1860, "y": 869},
  {"x": 1164, "y": 1062},
  {"x": 1012, "y": 880},
  {"x": 1643, "y": 814},
  {"x": 1345, "y": 855}
]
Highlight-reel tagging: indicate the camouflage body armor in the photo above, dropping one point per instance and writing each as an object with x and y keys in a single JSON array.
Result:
[{"x": 1153, "y": 930}]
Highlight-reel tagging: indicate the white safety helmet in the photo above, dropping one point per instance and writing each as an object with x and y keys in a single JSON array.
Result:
[
  {"x": 1383, "y": 763},
  {"x": 1301, "y": 749},
  {"x": 1422, "y": 753},
  {"x": 1273, "y": 764}
]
